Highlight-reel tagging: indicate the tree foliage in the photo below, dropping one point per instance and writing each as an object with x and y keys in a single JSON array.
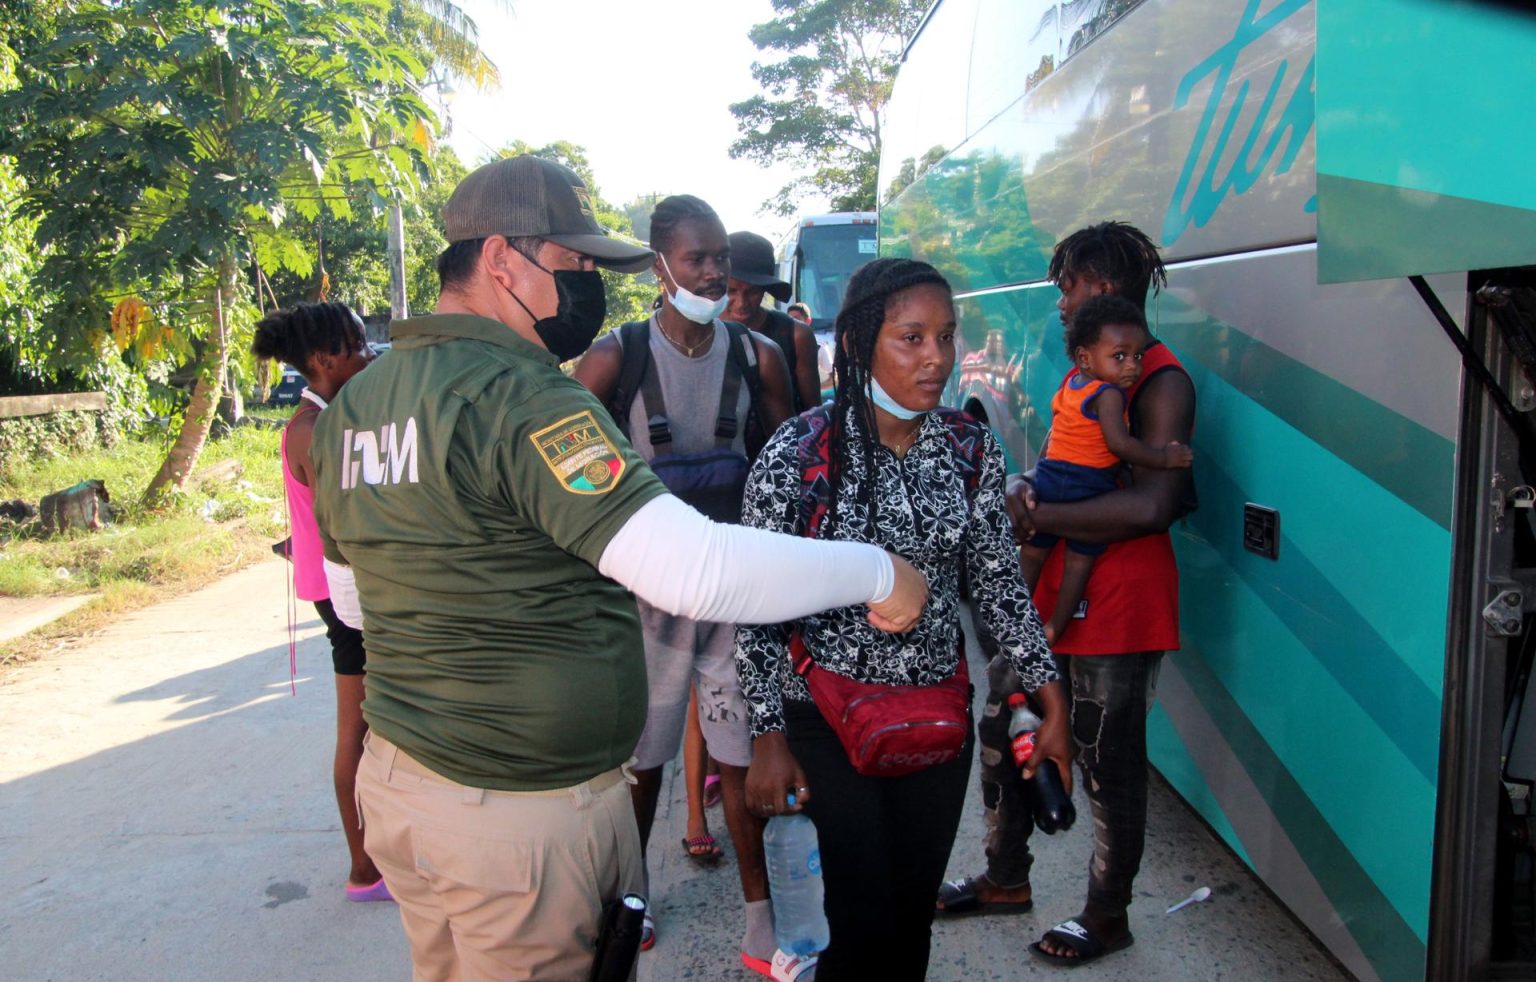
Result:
[
  {"x": 353, "y": 248},
  {"x": 823, "y": 102},
  {"x": 167, "y": 145}
]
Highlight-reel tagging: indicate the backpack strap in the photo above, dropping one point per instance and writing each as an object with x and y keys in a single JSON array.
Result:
[
  {"x": 815, "y": 491},
  {"x": 726, "y": 423},
  {"x": 815, "y": 485},
  {"x": 635, "y": 346},
  {"x": 967, "y": 440},
  {"x": 744, "y": 354},
  {"x": 655, "y": 407}
]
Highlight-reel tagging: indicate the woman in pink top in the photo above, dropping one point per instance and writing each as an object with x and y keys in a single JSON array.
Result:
[{"x": 324, "y": 342}]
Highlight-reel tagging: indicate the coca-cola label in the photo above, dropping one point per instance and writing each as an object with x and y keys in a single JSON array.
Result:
[{"x": 1023, "y": 746}]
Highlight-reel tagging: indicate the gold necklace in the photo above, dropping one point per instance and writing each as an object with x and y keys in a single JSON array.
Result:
[
  {"x": 905, "y": 442},
  {"x": 687, "y": 351}
]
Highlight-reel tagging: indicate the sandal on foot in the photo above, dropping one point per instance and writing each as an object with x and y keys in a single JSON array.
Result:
[
  {"x": 1084, "y": 944},
  {"x": 373, "y": 893},
  {"x": 647, "y": 933},
  {"x": 784, "y": 967},
  {"x": 703, "y": 849},
  {"x": 712, "y": 790},
  {"x": 958, "y": 898}
]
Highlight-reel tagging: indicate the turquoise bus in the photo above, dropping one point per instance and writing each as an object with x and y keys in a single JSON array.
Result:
[{"x": 1343, "y": 195}]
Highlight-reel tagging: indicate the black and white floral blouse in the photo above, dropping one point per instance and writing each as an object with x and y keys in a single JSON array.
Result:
[{"x": 924, "y": 517}]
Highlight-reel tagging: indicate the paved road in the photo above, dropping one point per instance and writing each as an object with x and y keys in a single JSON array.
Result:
[{"x": 165, "y": 813}]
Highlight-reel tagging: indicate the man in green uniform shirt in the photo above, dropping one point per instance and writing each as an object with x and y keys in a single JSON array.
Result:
[{"x": 486, "y": 505}]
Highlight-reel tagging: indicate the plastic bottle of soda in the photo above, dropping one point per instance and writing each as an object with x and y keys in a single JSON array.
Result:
[
  {"x": 794, "y": 878},
  {"x": 1053, "y": 806}
]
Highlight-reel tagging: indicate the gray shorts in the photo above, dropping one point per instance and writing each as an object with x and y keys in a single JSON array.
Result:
[{"x": 679, "y": 653}]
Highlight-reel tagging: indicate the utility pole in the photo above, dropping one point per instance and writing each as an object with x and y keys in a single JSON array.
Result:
[{"x": 397, "y": 308}]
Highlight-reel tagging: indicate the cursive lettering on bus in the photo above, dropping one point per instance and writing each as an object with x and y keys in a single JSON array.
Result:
[{"x": 1195, "y": 200}]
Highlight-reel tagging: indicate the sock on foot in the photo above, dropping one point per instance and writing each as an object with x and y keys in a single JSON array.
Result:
[{"x": 758, "y": 941}]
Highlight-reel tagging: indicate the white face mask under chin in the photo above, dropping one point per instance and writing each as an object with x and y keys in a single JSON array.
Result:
[
  {"x": 883, "y": 399},
  {"x": 700, "y": 310}
]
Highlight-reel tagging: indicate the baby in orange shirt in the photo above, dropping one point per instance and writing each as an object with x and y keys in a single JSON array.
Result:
[{"x": 1090, "y": 439}]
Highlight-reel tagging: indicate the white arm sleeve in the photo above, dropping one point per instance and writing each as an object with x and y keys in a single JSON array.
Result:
[
  {"x": 674, "y": 558},
  {"x": 344, "y": 594}
]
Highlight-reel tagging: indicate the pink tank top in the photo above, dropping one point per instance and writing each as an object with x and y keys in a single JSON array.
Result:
[{"x": 308, "y": 560}]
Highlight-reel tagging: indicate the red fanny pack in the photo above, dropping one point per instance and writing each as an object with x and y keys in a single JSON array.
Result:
[{"x": 890, "y": 730}]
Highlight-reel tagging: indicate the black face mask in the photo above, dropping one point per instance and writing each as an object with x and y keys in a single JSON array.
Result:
[{"x": 578, "y": 316}]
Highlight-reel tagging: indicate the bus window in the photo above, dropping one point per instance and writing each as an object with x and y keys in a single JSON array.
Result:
[
  {"x": 1084, "y": 20},
  {"x": 1000, "y": 73},
  {"x": 925, "y": 117},
  {"x": 828, "y": 256}
]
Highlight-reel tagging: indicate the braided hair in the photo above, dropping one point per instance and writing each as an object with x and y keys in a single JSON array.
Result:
[
  {"x": 294, "y": 335},
  {"x": 1115, "y": 252},
  {"x": 671, "y": 212},
  {"x": 870, "y": 292}
]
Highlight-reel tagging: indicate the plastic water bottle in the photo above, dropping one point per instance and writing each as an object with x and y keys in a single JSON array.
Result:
[
  {"x": 794, "y": 877},
  {"x": 1053, "y": 807}
]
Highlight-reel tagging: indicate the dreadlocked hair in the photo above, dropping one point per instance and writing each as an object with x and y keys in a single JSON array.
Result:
[
  {"x": 292, "y": 336},
  {"x": 673, "y": 211},
  {"x": 869, "y": 296},
  {"x": 1115, "y": 252}
]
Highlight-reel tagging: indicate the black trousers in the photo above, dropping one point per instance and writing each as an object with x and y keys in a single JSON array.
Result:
[
  {"x": 885, "y": 844},
  {"x": 1111, "y": 696}
]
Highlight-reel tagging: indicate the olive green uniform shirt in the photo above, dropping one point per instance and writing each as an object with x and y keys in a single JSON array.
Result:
[{"x": 472, "y": 488}]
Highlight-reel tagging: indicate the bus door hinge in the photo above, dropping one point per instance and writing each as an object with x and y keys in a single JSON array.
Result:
[{"x": 1503, "y": 613}]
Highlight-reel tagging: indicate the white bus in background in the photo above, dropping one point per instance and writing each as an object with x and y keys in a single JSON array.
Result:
[{"x": 818, "y": 255}]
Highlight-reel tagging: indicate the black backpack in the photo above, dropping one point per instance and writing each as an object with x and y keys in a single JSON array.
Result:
[{"x": 711, "y": 481}]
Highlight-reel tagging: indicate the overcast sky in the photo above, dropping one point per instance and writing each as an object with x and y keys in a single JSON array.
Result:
[{"x": 644, "y": 86}]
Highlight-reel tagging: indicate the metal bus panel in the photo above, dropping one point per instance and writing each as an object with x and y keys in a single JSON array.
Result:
[
  {"x": 1178, "y": 110},
  {"x": 1415, "y": 172},
  {"x": 1302, "y": 715}
]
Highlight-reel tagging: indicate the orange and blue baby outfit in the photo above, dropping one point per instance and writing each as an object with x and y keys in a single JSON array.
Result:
[{"x": 1077, "y": 463}]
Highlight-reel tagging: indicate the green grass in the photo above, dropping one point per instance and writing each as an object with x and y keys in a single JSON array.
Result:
[{"x": 208, "y": 530}]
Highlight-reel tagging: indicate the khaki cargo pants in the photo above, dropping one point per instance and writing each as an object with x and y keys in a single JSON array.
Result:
[{"x": 497, "y": 884}]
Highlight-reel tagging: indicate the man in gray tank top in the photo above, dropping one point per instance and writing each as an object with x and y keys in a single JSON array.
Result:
[{"x": 708, "y": 391}]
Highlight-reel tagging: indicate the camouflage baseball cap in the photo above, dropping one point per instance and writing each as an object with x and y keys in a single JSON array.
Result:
[{"x": 530, "y": 196}]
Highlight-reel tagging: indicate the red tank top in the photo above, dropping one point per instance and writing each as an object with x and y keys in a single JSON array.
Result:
[{"x": 1132, "y": 599}]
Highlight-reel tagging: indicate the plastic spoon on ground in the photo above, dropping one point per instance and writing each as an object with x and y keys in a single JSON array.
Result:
[{"x": 1204, "y": 893}]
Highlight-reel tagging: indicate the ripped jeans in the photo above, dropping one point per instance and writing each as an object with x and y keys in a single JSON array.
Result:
[{"x": 1111, "y": 696}]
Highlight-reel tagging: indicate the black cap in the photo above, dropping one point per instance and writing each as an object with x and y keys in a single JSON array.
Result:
[
  {"x": 529, "y": 196},
  {"x": 752, "y": 262}
]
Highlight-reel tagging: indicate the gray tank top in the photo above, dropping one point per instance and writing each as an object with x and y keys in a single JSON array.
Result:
[{"x": 691, "y": 388}]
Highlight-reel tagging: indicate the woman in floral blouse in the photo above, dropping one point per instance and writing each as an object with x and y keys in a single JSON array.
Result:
[{"x": 896, "y": 479}]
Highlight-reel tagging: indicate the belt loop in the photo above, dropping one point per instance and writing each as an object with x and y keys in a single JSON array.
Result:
[
  {"x": 472, "y": 796},
  {"x": 581, "y": 795}
]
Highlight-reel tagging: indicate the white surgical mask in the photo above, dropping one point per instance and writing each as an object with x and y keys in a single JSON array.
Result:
[
  {"x": 700, "y": 310},
  {"x": 884, "y": 401}
]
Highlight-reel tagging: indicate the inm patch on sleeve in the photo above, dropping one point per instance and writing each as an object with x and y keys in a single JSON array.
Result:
[{"x": 580, "y": 455}]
